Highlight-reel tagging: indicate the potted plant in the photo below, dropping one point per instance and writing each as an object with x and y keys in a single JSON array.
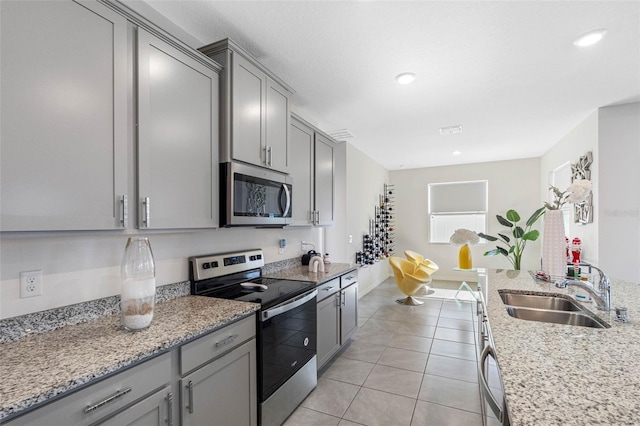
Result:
[{"x": 513, "y": 247}]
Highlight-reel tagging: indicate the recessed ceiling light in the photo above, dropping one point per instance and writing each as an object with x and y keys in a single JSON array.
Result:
[
  {"x": 592, "y": 37},
  {"x": 456, "y": 152},
  {"x": 405, "y": 78}
]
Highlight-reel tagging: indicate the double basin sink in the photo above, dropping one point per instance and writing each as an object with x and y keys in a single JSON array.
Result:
[{"x": 552, "y": 308}]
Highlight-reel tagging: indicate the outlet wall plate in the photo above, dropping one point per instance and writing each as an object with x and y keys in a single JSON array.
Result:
[{"x": 30, "y": 284}]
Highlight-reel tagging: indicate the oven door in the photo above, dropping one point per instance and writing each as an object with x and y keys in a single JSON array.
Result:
[
  {"x": 288, "y": 340},
  {"x": 253, "y": 196}
]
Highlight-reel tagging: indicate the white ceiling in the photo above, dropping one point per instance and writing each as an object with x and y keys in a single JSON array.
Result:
[{"x": 507, "y": 71}]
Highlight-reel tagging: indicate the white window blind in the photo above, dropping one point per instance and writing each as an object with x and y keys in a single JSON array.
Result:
[
  {"x": 455, "y": 205},
  {"x": 458, "y": 197}
]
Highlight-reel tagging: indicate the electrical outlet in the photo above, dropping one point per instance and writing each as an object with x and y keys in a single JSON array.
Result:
[
  {"x": 280, "y": 250},
  {"x": 30, "y": 284}
]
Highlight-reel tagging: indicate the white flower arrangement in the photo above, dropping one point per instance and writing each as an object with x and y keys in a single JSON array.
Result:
[
  {"x": 576, "y": 193},
  {"x": 464, "y": 236}
]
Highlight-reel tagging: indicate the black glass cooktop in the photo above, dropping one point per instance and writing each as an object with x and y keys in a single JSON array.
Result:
[{"x": 277, "y": 290}]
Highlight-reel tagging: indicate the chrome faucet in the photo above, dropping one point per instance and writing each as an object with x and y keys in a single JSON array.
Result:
[{"x": 602, "y": 295}]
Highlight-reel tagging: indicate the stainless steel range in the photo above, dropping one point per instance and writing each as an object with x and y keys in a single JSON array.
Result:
[{"x": 286, "y": 324}]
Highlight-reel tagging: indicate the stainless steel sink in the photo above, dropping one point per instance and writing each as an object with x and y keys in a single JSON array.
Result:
[
  {"x": 557, "y": 317},
  {"x": 551, "y": 308},
  {"x": 556, "y": 303}
]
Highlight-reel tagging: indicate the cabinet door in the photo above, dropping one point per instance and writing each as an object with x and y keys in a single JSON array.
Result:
[
  {"x": 324, "y": 168},
  {"x": 177, "y": 138},
  {"x": 223, "y": 392},
  {"x": 348, "y": 312},
  {"x": 301, "y": 172},
  {"x": 154, "y": 410},
  {"x": 64, "y": 116},
  {"x": 277, "y": 127},
  {"x": 328, "y": 328},
  {"x": 247, "y": 111}
]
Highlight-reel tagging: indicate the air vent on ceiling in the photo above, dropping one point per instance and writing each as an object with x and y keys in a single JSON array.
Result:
[
  {"x": 340, "y": 135},
  {"x": 450, "y": 130}
]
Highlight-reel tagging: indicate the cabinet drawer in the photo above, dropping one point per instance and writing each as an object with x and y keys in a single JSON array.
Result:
[
  {"x": 327, "y": 289},
  {"x": 95, "y": 402},
  {"x": 206, "y": 348},
  {"x": 349, "y": 278}
]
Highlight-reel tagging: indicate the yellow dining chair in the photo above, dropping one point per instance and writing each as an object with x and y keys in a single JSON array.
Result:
[
  {"x": 427, "y": 265},
  {"x": 409, "y": 279}
]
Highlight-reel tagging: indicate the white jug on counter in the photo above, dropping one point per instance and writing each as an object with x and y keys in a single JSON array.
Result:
[{"x": 138, "y": 291}]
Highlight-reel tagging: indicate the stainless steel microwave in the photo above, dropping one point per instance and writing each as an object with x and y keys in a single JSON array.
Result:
[{"x": 253, "y": 196}]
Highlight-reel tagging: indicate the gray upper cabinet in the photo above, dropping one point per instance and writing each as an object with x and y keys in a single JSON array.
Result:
[
  {"x": 177, "y": 138},
  {"x": 324, "y": 186},
  {"x": 256, "y": 107},
  {"x": 64, "y": 116},
  {"x": 312, "y": 171},
  {"x": 301, "y": 171}
]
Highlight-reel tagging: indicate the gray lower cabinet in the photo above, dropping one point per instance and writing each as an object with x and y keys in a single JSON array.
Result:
[
  {"x": 64, "y": 116},
  {"x": 177, "y": 138},
  {"x": 337, "y": 318},
  {"x": 348, "y": 312},
  {"x": 96, "y": 404},
  {"x": 222, "y": 390},
  {"x": 328, "y": 321},
  {"x": 312, "y": 170},
  {"x": 154, "y": 410}
]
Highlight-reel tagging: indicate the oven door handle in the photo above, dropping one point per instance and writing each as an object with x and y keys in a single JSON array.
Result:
[{"x": 285, "y": 307}]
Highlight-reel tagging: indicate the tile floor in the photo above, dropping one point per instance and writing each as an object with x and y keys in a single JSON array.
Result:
[{"x": 405, "y": 366}]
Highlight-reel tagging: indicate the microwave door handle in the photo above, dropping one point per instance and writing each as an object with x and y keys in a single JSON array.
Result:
[{"x": 287, "y": 206}]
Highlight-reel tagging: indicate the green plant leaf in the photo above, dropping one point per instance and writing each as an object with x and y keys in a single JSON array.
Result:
[
  {"x": 513, "y": 216},
  {"x": 531, "y": 235},
  {"x": 502, "y": 251},
  {"x": 505, "y": 238},
  {"x": 536, "y": 215},
  {"x": 491, "y": 252},
  {"x": 512, "y": 249},
  {"x": 518, "y": 232},
  {"x": 487, "y": 237},
  {"x": 503, "y": 221}
]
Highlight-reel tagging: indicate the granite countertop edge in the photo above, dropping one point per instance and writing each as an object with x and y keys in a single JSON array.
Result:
[
  {"x": 176, "y": 322},
  {"x": 302, "y": 273}
]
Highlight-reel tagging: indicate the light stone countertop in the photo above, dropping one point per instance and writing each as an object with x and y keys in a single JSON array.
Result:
[
  {"x": 557, "y": 374},
  {"x": 39, "y": 367},
  {"x": 302, "y": 273}
]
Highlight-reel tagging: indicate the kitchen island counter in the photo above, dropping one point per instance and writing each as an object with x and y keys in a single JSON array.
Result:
[
  {"x": 557, "y": 374},
  {"x": 40, "y": 367}
]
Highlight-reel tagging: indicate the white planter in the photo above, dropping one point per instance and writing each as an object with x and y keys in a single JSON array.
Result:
[{"x": 554, "y": 255}]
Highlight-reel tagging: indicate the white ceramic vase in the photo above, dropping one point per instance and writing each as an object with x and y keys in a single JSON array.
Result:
[{"x": 554, "y": 255}]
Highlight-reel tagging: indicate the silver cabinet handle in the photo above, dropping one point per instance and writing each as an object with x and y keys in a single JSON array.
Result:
[
  {"x": 170, "y": 409},
  {"x": 124, "y": 212},
  {"x": 226, "y": 341},
  {"x": 118, "y": 394},
  {"x": 266, "y": 155},
  {"x": 493, "y": 403},
  {"x": 343, "y": 298},
  {"x": 316, "y": 219},
  {"x": 338, "y": 298},
  {"x": 146, "y": 202},
  {"x": 190, "y": 388},
  {"x": 328, "y": 288},
  {"x": 270, "y": 152}
]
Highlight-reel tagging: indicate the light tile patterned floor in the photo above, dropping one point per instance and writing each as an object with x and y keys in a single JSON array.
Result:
[{"x": 406, "y": 365}]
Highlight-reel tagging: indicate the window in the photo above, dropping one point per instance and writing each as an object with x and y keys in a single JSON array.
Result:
[{"x": 455, "y": 205}]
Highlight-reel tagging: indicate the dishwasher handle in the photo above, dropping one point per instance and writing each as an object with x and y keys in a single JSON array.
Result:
[{"x": 484, "y": 386}]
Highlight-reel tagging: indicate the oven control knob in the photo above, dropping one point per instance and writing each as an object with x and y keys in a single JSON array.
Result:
[
  {"x": 306, "y": 341},
  {"x": 206, "y": 265}
]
